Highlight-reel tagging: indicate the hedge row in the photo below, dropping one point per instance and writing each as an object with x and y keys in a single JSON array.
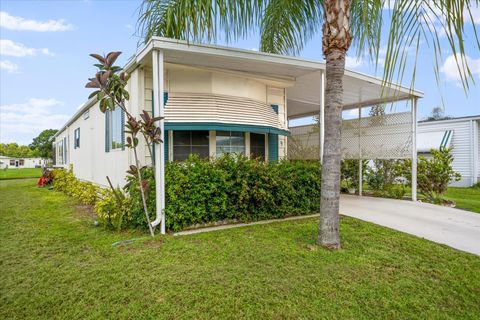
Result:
[{"x": 231, "y": 189}]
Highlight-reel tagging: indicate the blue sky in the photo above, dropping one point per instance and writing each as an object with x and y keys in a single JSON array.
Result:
[{"x": 44, "y": 62}]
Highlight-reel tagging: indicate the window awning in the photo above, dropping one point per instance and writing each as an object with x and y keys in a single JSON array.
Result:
[
  {"x": 223, "y": 127},
  {"x": 433, "y": 140}
]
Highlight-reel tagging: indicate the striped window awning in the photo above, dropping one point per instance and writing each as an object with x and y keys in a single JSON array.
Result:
[{"x": 433, "y": 140}]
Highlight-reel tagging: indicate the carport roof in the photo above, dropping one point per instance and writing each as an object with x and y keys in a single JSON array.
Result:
[
  {"x": 303, "y": 95},
  {"x": 302, "y": 76}
]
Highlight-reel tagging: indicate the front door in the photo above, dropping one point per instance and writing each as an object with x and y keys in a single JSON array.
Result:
[{"x": 16, "y": 163}]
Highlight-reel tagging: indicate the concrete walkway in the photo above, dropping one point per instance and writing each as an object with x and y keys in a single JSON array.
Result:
[{"x": 456, "y": 228}]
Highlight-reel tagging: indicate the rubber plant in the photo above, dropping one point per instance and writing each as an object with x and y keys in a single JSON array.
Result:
[{"x": 110, "y": 82}]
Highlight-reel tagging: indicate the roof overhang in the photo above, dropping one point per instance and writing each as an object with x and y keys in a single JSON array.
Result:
[
  {"x": 302, "y": 76},
  {"x": 303, "y": 96}
]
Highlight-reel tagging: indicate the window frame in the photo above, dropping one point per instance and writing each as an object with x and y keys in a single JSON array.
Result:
[
  {"x": 262, "y": 137},
  {"x": 230, "y": 145},
  {"x": 109, "y": 130},
  {"x": 191, "y": 145},
  {"x": 76, "y": 138}
]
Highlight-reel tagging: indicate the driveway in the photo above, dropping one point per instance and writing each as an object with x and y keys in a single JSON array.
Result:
[{"x": 456, "y": 228}]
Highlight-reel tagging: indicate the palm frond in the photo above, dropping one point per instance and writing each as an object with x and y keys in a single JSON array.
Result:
[
  {"x": 414, "y": 25},
  {"x": 287, "y": 25},
  {"x": 200, "y": 20}
]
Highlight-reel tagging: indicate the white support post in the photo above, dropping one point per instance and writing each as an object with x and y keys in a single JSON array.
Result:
[
  {"x": 360, "y": 169},
  {"x": 157, "y": 62},
  {"x": 321, "y": 115},
  {"x": 414, "y": 149}
]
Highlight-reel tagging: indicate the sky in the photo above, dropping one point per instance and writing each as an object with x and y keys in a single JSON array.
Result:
[{"x": 45, "y": 63}]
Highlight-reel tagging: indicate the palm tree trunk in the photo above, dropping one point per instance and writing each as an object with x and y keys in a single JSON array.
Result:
[
  {"x": 328, "y": 230},
  {"x": 336, "y": 41}
]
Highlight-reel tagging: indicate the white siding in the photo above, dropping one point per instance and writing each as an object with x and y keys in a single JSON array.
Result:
[
  {"x": 194, "y": 96},
  {"x": 461, "y": 143}
]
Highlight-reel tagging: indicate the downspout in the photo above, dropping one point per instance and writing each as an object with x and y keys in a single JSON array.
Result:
[{"x": 158, "y": 105}]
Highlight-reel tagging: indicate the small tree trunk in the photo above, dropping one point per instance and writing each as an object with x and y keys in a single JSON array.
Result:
[
  {"x": 328, "y": 230},
  {"x": 142, "y": 192}
]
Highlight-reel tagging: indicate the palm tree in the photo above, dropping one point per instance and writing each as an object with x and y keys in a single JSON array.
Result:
[{"x": 286, "y": 25}]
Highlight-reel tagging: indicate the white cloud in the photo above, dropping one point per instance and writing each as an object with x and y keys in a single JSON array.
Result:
[
  {"x": 8, "y": 66},
  {"x": 21, "y": 122},
  {"x": 21, "y": 24},
  {"x": 353, "y": 62},
  {"x": 16, "y": 49},
  {"x": 450, "y": 68}
]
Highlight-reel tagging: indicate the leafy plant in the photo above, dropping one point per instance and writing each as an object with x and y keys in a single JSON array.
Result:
[
  {"x": 434, "y": 174},
  {"x": 229, "y": 189},
  {"x": 111, "y": 81},
  {"x": 46, "y": 178},
  {"x": 66, "y": 182},
  {"x": 113, "y": 208},
  {"x": 396, "y": 191}
]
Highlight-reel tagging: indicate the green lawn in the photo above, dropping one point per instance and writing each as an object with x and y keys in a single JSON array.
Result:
[
  {"x": 20, "y": 173},
  {"x": 465, "y": 198},
  {"x": 56, "y": 265}
]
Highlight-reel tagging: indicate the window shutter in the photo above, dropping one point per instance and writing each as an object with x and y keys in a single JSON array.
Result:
[
  {"x": 78, "y": 137},
  {"x": 272, "y": 147},
  {"x": 107, "y": 131},
  {"x": 165, "y": 98},
  {"x": 275, "y": 108},
  {"x": 165, "y": 143},
  {"x": 123, "y": 129}
]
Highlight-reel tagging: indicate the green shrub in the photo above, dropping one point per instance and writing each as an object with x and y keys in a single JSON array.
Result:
[
  {"x": 230, "y": 188},
  {"x": 113, "y": 209},
  {"x": 66, "y": 182},
  {"x": 396, "y": 191}
]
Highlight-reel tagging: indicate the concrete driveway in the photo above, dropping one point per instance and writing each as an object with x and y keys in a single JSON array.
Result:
[{"x": 456, "y": 228}]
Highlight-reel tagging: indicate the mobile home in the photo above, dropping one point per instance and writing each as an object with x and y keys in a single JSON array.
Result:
[
  {"x": 214, "y": 100},
  {"x": 463, "y": 136}
]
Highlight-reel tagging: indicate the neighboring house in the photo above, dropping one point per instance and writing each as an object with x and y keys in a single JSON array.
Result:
[
  {"x": 463, "y": 135},
  {"x": 18, "y": 163},
  {"x": 215, "y": 100}
]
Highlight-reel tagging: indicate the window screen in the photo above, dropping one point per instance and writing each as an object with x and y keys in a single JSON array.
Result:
[
  {"x": 257, "y": 146},
  {"x": 190, "y": 142}
]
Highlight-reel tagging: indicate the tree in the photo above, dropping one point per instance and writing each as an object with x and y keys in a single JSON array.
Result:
[
  {"x": 286, "y": 25},
  {"x": 110, "y": 82},
  {"x": 15, "y": 151},
  {"x": 43, "y": 143},
  {"x": 437, "y": 114}
]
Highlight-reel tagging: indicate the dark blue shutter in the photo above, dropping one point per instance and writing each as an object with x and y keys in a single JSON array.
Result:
[
  {"x": 165, "y": 98},
  {"x": 272, "y": 147},
  {"x": 165, "y": 142},
  {"x": 122, "y": 117},
  {"x": 107, "y": 131},
  {"x": 275, "y": 108}
]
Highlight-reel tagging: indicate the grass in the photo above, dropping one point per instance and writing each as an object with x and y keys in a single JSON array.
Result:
[
  {"x": 20, "y": 173},
  {"x": 465, "y": 198},
  {"x": 56, "y": 265}
]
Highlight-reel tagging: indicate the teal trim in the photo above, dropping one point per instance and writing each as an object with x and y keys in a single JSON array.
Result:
[
  {"x": 445, "y": 139},
  {"x": 272, "y": 147},
  {"x": 165, "y": 143},
  {"x": 224, "y": 127},
  {"x": 275, "y": 108}
]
